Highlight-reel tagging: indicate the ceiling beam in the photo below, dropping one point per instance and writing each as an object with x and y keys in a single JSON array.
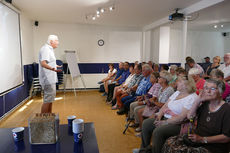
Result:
[{"x": 191, "y": 9}]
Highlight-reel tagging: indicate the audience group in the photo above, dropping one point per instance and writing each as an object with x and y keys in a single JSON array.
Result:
[{"x": 174, "y": 109}]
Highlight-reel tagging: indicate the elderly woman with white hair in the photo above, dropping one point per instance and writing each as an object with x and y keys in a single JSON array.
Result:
[
  {"x": 212, "y": 132},
  {"x": 48, "y": 72},
  {"x": 195, "y": 74}
]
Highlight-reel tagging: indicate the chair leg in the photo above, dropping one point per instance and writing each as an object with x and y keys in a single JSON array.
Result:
[{"x": 127, "y": 126}]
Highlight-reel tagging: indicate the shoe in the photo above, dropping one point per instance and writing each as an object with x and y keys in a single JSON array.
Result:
[
  {"x": 115, "y": 107},
  {"x": 109, "y": 102},
  {"x": 100, "y": 82},
  {"x": 136, "y": 150},
  {"x": 138, "y": 129},
  {"x": 138, "y": 134},
  {"x": 104, "y": 94},
  {"x": 121, "y": 111},
  {"x": 134, "y": 125}
]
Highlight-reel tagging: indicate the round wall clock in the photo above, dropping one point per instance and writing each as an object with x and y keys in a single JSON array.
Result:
[{"x": 101, "y": 42}]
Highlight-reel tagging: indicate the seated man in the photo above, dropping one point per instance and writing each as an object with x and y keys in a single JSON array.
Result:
[
  {"x": 132, "y": 86},
  {"x": 124, "y": 85},
  {"x": 142, "y": 89},
  {"x": 123, "y": 77}
]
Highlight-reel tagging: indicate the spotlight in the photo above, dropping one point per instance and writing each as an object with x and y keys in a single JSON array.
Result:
[
  {"x": 98, "y": 15},
  {"x": 222, "y": 26},
  {"x": 93, "y": 18},
  {"x": 111, "y": 8},
  {"x": 215, "y": 26},
  {"x": 102, "y": 10},
  {"x": 98, "y": 12}
]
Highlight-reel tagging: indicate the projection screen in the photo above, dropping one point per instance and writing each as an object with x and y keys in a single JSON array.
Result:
[{"x": 11, "y": 69}]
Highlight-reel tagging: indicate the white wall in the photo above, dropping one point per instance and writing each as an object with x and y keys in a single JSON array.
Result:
[
  {"x": 227, "y": 43},
  {"x": 202, "y": 44},
  {"x": 199, "y": 45},
  {"x": 120, "y": 43},
  {"x": 27, "y": 40}
]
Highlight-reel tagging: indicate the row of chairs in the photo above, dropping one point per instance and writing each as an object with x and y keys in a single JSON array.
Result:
[{"x": 36, "y": 87}]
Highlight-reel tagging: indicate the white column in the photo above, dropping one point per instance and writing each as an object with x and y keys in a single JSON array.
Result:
[
  {"x": 164, "y": 44},
  {"x": 184, "y": 43}
]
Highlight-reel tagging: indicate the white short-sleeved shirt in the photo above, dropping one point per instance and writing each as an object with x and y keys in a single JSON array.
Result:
[
  {"x": 47, "y": 77},
  {"x": 225, "y": 69},
  {"x": 127, "y": 81},
  {"x": 176, "y": 106},
  {"x": 113, "y": 72}
]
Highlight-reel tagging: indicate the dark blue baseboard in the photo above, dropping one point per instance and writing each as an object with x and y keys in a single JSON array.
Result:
[{"x": 18, "y": 95}]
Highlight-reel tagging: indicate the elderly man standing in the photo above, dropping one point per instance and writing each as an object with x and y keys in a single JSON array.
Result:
[
  {"x": 48, "y": 72},
  {"x": 226, "y": 67}
]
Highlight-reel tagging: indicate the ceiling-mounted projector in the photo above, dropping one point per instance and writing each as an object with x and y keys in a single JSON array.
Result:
[{"x": 176, "y": 16}]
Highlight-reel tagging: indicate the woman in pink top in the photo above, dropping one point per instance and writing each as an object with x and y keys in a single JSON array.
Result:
[
  {"x": 219, "y": 75},
  {"x": 195, "y": 74}
]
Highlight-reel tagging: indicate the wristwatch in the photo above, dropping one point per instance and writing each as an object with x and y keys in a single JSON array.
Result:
[{"x": 205, "y": 140}]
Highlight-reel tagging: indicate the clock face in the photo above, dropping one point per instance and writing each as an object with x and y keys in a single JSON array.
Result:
[{"x": 101, "y": 42}]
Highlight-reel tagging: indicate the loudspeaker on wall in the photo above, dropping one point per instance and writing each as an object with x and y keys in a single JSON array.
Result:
[{"x": 36, "y": 23}]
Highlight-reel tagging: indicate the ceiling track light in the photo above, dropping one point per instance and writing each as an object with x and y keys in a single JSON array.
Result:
[
  {"x": 111, "y": 8},
  {"x": 215, "y": 26},
  {"x": 99, "y": 12},
  {"x": 102, "y": 10}
]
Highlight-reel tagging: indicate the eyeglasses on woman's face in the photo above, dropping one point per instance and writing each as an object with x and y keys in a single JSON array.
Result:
[{"x": 212, "y": 89}]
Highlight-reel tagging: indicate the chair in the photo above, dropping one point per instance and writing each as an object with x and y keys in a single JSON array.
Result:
[{"x": 60, "y": 75}]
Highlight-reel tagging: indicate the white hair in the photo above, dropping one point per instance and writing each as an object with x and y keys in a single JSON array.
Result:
[
  {"x": 193, "y": 71},
  {"x": 227, "y": 54},
  {"x": 52, "y": 38},
  {"x": 174, "y": 67},
  {"x": 146, "y": 67}
]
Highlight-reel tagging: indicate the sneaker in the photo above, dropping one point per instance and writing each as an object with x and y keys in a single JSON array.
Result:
[
  {"x": 138, "y": 134},
  {"x": 104, "y": 94},
  {"x": 136, "y": 150},
  {"x": 138, "y": 129},
  {"x": 133, "y": 125}
]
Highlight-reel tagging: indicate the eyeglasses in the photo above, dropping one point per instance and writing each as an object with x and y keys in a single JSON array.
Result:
[{"x": 208, "y": 89}]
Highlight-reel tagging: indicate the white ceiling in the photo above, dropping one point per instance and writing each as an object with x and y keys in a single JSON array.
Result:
[
  {"x": 130, "y": 13},
  {"x": 218, "y": 14}
]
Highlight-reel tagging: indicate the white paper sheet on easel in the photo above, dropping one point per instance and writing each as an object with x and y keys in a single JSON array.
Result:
[{"x": 71, "y": 58}]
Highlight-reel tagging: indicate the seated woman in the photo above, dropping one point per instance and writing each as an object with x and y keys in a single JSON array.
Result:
[
  {"x": 219, "y": 75},
  {"x": 212, "y": 134},
  {"x": 215, "y": 65},
  {"x": 111, "y": 74},
  {"x": 172, "y": 70},
  {"x": 156, "y": 102},
  {"x": 195, "y": 73},
  {"x": 140, "y": 103},
  {"x": 167, "y": 122}
]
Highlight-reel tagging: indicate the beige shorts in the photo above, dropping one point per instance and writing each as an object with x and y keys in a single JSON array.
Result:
[{"x": 49, "y": 93}]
